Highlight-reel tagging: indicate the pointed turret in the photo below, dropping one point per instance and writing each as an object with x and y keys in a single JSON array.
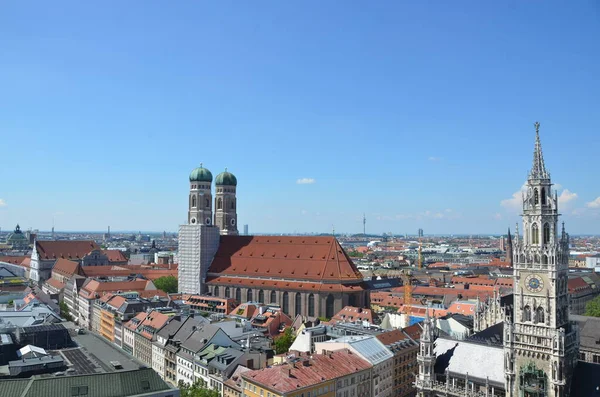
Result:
[
  {"x": 538, "y": 169},
  {"x": 509, "y": 248}
]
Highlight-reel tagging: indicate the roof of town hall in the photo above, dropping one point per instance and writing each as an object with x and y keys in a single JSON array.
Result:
[
  {"x": 307, "y": 372},
  {"x": 296, "y": 259},
  {"x": 68, "y": 249}
]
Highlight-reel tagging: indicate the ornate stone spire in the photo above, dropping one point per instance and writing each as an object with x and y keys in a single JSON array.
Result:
[{"x": 538, "y": 169}]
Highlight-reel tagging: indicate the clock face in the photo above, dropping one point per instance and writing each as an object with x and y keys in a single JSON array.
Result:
[
  {"x": 193, "y": 220},
  {"x": 534, "y": 283},
  {"x": 208, "y": 221}
]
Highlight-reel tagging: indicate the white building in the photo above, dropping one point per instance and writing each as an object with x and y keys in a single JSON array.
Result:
[{"x": 372, "y": 350}]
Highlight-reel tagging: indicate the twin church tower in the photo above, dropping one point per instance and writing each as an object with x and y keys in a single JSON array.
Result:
[{"x": 201, "y": 204}]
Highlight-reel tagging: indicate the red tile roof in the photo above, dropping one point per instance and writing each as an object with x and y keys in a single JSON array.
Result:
[
  {"x": 14, "y": 260},
  {"x": 65, "y": 249},
  {"x": 351, "y": 313},
  {"x": 577, "y": 284},
  {"x": 320, "y": 368},
  {"x": 115, "y": 256},
  {"x": 299, "y": 258},
  {"x": 55, "y": 283},
  {"x": 95, "y": 289},
  {"x": 66, "y": 267},
  {"x": 390, "y": 337}
]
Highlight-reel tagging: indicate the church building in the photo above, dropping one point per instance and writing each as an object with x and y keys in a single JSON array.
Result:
[
  {"x": 305, "y": 275},
  {"x": 530, "y": 348}
]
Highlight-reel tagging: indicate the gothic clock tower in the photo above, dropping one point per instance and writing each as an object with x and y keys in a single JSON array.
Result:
[{"x": 540, "y": 344}]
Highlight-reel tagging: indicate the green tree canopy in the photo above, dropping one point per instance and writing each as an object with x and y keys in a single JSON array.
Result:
[
  {"x": 593, "y": 307},
  {"x": 283, "y": 343},
  {"x": 198, "y": 389},
  {"x": 167, "y": 284}
]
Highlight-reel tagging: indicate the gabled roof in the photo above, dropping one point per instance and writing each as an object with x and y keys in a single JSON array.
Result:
[
  {"x": 390, "y": 337},
  {"x": 66, "y": 267},
  {"x": 114, "y": 255},
  {"x": 298, "y": 375},
  {"x": 351, "y": 313},
  {"x": 64, "y": 249},
  {"x": 299, "y": 258},
  {"x": 55, "y": 283}
]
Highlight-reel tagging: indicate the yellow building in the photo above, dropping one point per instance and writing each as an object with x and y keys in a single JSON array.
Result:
[
  {"x": 107, "y": 325},
  {"x": 319, "y": 375}
]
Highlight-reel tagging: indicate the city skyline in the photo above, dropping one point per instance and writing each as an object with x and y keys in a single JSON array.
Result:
[{"x": 418, "y": 118}]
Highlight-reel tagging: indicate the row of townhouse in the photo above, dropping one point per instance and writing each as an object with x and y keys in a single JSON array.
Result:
[{"x": 189, "y": 350}]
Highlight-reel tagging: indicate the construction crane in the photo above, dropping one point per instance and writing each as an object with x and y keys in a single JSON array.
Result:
[{"x": 407, "y": 283}]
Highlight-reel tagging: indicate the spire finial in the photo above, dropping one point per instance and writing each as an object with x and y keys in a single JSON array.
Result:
[
  {"x": 225, "y": 169},
  {"x": 201, "y": 165},
  {"x": 538, "y": 169}
]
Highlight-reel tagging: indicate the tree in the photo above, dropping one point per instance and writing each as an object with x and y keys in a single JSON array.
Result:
[
  {"x": 593, "y": 307},
  {"x": 167, "y": 284},
  {"x": 283, "y": 343},
  {"x": 197, "y": 389},
  {"x": 64, "y": 311},
  {"x": 355, "y": 254}
]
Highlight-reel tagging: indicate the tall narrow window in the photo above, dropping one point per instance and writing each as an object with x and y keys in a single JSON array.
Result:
[
  {"x": 546, "y": 233},
  {"x": 543, "y": 196},
  {"x": 207, "y": 203},
  {"x": 329, "y": 306},
  {"x": 227, "y": 293},
  {"x": 298, "y": 304},
  {"x": 249, "y": 295},
  {"x": 286, "y": 303},
  {"x": 219, "y": 204},
  {"x": 193, "y": 201},
  {"x": 535, "y": 234},
  {"x": 261, "y": 296},
  {"x": 273, "y": 297},
  {"x": 527, "y": 313},
  {"x": 216, "y": 291},
  {"x": 238, "y": 295},
  {"x": 232, "y": 204},
  {"x": 539, "y": 315},
  {"x": 536, "y": 197},
  {"x": 311, "y": 305}
]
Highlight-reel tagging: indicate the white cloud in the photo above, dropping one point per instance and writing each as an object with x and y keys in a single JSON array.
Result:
[
  {"x": 515, "y": 203},
  {"x": 304, "y": 212},
  {"x": 594, "y": 204},
  {"x": 497, "y": 216},
  {"x": 3, "y": 203},
  {"x": 305, "y": 181},
  {"x": 433, "y": 158},
  {"x": 565, "y": 198},
  {"x": 445, "y": 214}
]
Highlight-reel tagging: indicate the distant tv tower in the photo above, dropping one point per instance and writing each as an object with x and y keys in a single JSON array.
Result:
[
  {"x": 52, "y": 228},
  {"x": 364, "y": 224}
]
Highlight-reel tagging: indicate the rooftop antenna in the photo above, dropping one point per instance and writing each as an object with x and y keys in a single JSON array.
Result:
[{"x": 333, "y": 230}]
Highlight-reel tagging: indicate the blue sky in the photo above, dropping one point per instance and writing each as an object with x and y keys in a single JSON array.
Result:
[{"x": 419, "y": 114}]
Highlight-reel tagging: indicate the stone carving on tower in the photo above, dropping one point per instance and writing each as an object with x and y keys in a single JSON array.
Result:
[
  {"x": 226, "y": 203},
  {"x": 540, "y": 343},
  {"x": 200, "y": 200},
  {"x": 426, "y": 357}
]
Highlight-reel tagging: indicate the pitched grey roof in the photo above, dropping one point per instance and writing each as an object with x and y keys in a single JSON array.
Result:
[{"x": 114, "y": 384}]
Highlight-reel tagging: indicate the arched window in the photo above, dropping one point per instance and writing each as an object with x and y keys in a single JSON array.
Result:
[
  {"x": 219, "y": 204},
  {"x": 329, "y": 306},
  {"x": 227, "y": 292},
  {"x": 527, "y": 313},
  {"x": 249, "y": 295},
  {"x": 261, "y": 296},
  {"x": 232, "y": 204},
  {"x": 536, "y": 197},
  {"x": 311, "y": 305},
  {"x": 238, "y": 295},
  {"x": 352, "y": 300},
  {"x": 539, "y": 315},
  {"x": 546, "y": 233},
  {"x": 543, "y": 196},
  {"x": 286, "y": 303},
  {"x": 207, "y": 203},
  {"x": 544, "y": 259},
  {"x": 535, "y": 234},
  {"x": 273, "y": 297},
  {"x": 216, "y": 291},
  {"x": 193, "y": 201},
  {"x": 298, "y": 304}
]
